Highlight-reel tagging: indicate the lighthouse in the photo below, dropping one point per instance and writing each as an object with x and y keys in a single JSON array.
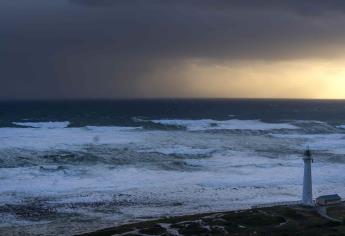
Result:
[{"x": 307, "y": 198}]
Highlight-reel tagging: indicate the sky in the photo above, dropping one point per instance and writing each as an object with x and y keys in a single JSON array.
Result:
[{"x": 108, "y": 49}]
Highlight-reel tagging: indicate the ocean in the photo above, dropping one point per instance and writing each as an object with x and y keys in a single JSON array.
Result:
[{"x": 69, "y": 167}]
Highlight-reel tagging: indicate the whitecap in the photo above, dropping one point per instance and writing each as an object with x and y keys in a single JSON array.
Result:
[
  {"x": 180, "y": 150},
  {"x": 46, "y": 125},
  {"x": 233, "y": 124}
]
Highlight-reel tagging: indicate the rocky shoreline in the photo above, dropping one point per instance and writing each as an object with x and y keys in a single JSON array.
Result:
[{"x": 277, "y": 220}]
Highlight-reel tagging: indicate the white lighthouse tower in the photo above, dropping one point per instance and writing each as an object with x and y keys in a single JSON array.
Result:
[{"x": 307, "y": 198}]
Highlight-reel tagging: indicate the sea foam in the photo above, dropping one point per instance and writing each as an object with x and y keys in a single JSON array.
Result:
[
  {"x": 65, "y": 138},
  {"x": 123, "y": 171}
]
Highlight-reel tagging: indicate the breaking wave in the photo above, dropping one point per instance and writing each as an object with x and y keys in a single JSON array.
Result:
[
  {"x": 53, "y": 171},
  {"x": 234, "y": 124},
  {"x": 46, "y": 125}
]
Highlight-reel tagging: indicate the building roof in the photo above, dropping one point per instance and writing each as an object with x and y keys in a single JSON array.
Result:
[{"x": 330, "y": 197}]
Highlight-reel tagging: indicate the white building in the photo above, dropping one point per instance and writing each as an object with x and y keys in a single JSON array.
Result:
[
  {"x": 328, "y": 200},
  {"x": 307, "y": 198}
]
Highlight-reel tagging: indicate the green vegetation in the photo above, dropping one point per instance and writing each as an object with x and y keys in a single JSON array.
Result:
[
  {"x": 336, "y": 212},
  {"x": 280, "y": 221}
]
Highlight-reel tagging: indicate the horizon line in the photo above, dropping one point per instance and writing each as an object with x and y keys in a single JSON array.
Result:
[{"x": 163, "y": 98}]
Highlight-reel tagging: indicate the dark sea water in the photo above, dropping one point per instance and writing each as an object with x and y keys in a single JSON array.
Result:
[
  {"x": 75, "y": 166},
  {"x": 121, "y": 112}
]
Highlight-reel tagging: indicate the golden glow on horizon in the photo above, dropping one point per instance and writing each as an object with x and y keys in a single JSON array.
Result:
[{"x": 293, "y": 79}]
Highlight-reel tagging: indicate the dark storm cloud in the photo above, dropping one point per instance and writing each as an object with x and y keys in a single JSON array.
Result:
[
  {"x": 109, "y": 48},
  {"x": 306, "y": 7}
]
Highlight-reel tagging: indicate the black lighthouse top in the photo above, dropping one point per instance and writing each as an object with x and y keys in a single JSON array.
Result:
[{"x": 307, "y": 153}]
